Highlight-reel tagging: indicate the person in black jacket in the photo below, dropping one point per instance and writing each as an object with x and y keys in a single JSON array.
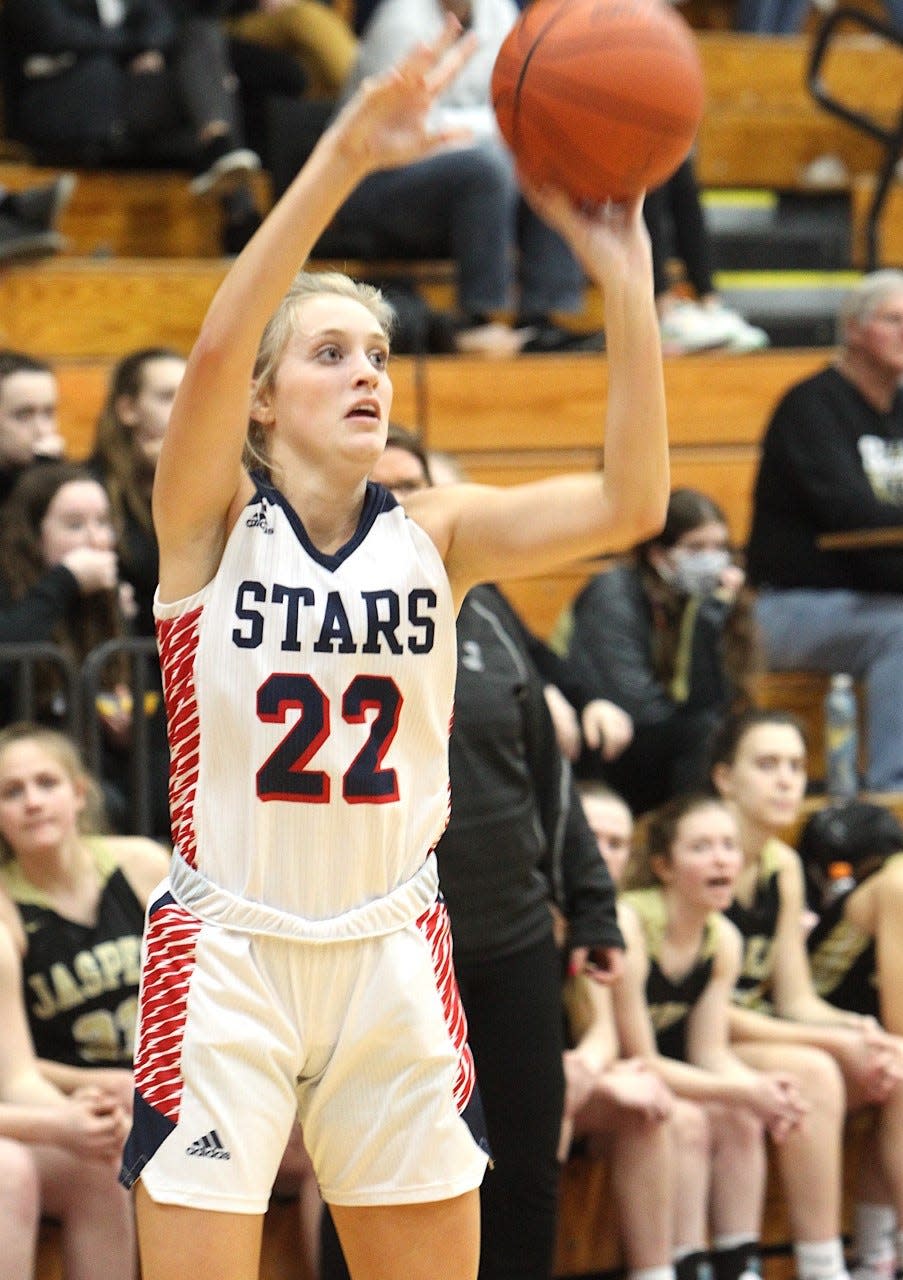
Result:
[
  {"x": 517, "y": 852},
  {"x": 97, "y": 82},
  {"x": 669, "y": 639},
  {"x": 832, "y": 462}
]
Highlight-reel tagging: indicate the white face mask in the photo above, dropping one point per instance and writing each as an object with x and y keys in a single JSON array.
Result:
[{"x": 695, "y": 573}]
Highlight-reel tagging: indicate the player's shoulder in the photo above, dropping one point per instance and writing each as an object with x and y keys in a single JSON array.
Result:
[{"x": 143, "y": 862}]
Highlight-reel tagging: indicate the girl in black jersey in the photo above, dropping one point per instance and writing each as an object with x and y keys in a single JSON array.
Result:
[
  {"x": 679, "y": 880},
  {"x": 58, "y": 1157},
  {"x": 74, "y": 903},
  {"x": 844, "y": 1061},
  {"x": 71, "y": 918}
]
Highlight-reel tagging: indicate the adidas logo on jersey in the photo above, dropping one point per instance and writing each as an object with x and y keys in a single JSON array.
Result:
[
  {"x": 259, "y": 520},
  {"x": 208, "y": 1146}
]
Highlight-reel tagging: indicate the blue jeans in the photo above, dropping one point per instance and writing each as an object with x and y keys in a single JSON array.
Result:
[
  {"x": 855, "y": 631},
  {"x": 465, "y": 203}
]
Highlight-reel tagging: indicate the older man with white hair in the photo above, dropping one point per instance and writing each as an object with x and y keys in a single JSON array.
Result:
[{"x": 826, "y": 547}]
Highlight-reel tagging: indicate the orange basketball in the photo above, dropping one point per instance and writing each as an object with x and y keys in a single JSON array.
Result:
[{"x": 601, "y": 97}]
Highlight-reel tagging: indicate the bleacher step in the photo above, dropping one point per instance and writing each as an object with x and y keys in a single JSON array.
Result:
[
  {"x": 767, "y": 230},
  {"x": 795, "y": 308}
]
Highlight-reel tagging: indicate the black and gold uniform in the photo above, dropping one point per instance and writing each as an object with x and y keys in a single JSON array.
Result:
[
  {"x": 842, "y": 958},
  {"x": 80, "y": 982},
  {"x": 671, "y": 1000},
  {"x": 758, "y": 925}
]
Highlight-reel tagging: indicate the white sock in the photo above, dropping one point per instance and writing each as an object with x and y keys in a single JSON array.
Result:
[
  {"x": 874, "y": 1226},
  {"x": 735, "y": 1241},
  {"x": 663, "y": 1272},
  {"x": 820, "y": 1260}
]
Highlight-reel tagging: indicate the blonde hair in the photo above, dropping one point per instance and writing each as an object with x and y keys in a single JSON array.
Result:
[
  {"x": 92, "y": 818},
  {"x": 284, "y": 323}
]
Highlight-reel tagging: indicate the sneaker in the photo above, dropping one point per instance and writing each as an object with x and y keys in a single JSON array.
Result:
[
  {"x": 687, "y": 328},
  {"x": 221, "y": 159},
  {"x": 825, "y": 173},
  {"x": 740, "y": 335},
  {"x": 40, "y": 207},
  {"x": 19, "y": 241},
  {"x": 497, "y": 341},
  {"x": 553, "y": 339}
]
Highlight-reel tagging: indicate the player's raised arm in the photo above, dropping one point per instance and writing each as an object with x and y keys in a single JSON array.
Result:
[
  {"x": 487, "y": 533},
  {"x": 200, "y": 482}
]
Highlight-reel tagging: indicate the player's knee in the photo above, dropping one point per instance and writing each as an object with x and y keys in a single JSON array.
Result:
[
  {"x": 739, "y": 1128},
  {"x": 820, "y": 1080},
  {"x": 691, "y": 1128},
  {"x": 20, "y": 1191}
]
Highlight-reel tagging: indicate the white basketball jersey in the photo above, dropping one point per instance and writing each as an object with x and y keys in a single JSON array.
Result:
[{"x": 309, "y": 701}]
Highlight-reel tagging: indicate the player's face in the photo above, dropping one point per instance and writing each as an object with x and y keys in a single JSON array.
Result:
[
  {"x": 400, "y": 471},
  {"x": 767, "y": 779},
  {"x": 705, "y": 859},
  {"x": 611, "y": 824},
  {"x": 78, "y": 516},
  {"x": 879, "y": 336},
  {"x": 146, "y": 414},
  {"x": 39, "y": 800},
  {"x": 28, "y": 416},
  {"x": 332, "y": 393}
]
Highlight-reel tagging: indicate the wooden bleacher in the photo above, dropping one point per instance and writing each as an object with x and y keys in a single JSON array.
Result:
[{"x": 761, "y": 126}]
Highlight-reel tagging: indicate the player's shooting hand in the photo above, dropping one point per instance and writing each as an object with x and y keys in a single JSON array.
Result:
[{"x": 603, "y": 237}]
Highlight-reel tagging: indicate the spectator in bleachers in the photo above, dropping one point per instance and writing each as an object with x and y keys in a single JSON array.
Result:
[
  {"x": 58, "y": 1157},
  {"x": 465, "y": 201},
  {"x": 617, "y": 1108},
  {"x": 675, "y": 218},
  {"x": 124, "y": 82},
  {"x": 678, "y": 881},
  {"x": 29, "y": 423},
  {"x": 130, "y": 430},
  {"x": 760, "y": 770},
  {"x": 311, "y": 30},
  {"x": 74, "y": 900},
  {"x": 832, "y": 462},
  {"x": 787, "y": 17},
  {"x": 856, "y": 955},
  {"x": 60, "y": 583},
  {"x": 28, "y": 218},
  {"x": 667, "y": 639}
]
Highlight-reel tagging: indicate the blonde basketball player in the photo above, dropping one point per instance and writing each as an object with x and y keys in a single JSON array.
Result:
[{"x": 299, "y": 956}]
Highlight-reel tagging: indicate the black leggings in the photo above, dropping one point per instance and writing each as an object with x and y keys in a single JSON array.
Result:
[
  {"x": 514, "y": 1017},
  {"x": 678, "y": 202},
  {"x": 99, "y": 110}
]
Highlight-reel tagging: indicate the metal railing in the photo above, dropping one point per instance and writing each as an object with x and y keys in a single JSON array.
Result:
[
  {"x": 891, "y": 137},
  {"x": 80, "y": 716}
]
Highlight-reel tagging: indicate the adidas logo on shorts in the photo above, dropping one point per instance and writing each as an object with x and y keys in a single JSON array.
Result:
[{"x": 209, "y": 1146}]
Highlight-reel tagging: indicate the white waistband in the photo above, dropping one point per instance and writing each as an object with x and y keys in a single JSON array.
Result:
[{"x": 383, "y": 915}]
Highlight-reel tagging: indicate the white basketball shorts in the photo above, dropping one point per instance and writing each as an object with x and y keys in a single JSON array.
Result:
[{"x": 365, "y": 1040}]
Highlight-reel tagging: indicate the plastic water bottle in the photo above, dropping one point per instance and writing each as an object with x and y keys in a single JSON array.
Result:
[
  {"x": 841, "y": 739},
  {"x": 840, "y": 881}
]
